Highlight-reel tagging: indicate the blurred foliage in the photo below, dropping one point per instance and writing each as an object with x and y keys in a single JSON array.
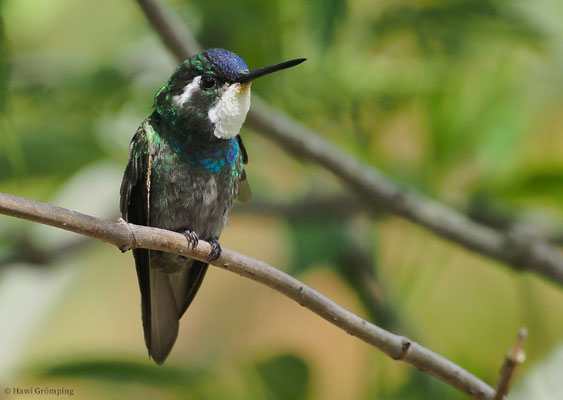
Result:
[
  {"x": 316, "y": 241},
  {"x": 278, "y": 371},
  {"x": 325, "y": 17},
  {"x": 182, "y": 383},
  {"x": 448, "y": 26},
  {"x": 418, "y": 382},
  {"x": 319, "y": 240},
  {"x": 122, "y": 372},
  {"x": 458, "y": 99},
  {"x": 64, "y": 140},
  {"x": 4, "y": 65}
]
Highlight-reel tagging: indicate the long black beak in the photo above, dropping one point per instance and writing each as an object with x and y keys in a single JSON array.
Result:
[{"x": 257, "y": 73}]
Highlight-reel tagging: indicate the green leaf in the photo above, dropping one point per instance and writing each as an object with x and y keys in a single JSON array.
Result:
[
  {"x": 316, "y": 241},
  {"x": 121, "y": 371},
  {"x": 285, "y": 377}
]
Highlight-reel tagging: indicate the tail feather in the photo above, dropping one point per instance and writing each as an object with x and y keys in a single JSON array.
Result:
[
  {"x": 185, "y": 284},
  {"x": 164, "y": 316},
  {"x": 165, "y": 296}
]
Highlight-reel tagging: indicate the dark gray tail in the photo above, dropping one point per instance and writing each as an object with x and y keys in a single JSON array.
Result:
[{"x": 165, "y": 296}]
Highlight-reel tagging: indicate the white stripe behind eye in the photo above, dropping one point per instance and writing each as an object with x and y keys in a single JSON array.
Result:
[{"x": 190, "y": 88}]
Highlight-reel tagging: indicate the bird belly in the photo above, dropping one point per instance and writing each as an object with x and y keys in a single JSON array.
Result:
[{"x": 185, "y": 197}]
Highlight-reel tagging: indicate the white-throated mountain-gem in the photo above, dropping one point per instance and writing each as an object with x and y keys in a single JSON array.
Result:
[{"x": 185, "y": 169}]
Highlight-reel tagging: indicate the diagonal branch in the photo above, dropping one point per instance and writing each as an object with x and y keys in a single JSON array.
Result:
[
  {"x": 512, "y": 249},
  {"x": 515, "y": 357},
  {"x": 174, "y": 34},
  {"x": 127, "y": 236}
]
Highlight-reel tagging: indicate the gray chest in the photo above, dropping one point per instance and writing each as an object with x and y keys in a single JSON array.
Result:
[{"x": 187, "y": 197}]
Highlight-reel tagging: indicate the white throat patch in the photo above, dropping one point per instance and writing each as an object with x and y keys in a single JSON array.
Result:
[
  {"x": 190, "y": 88},
  {"x": 230, "y": 111}
]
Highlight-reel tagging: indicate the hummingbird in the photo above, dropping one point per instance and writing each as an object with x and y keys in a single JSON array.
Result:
[{"x": 186, "y": 166}]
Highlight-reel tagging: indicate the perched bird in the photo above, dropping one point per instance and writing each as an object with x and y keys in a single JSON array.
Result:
[{"x": 185, "y": 169}]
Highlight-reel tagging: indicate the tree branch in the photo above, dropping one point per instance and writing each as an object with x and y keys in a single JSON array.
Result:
[
  {"x": 128, "y": 236},
  {"x": 173, "y": 33},
  {"x": 511, "y": 249},
  {"x": 515, "y": 357},
  {"x": 26, "y": 251}
]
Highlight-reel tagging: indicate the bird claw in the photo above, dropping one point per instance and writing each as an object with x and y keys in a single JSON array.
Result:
[
  {"x": 192, "y": 237},
  {"x": 215, "y": 252}
]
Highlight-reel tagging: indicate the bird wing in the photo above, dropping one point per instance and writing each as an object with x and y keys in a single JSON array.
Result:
[
  {"x": 134, "y": 189},
  {"x": 134, "y": 208},
  {"x": 244, "y": 193},
  {"x": 159, "y": 310}
]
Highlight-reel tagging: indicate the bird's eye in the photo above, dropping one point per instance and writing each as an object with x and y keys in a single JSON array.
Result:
[{"x": 207, "y": 82}]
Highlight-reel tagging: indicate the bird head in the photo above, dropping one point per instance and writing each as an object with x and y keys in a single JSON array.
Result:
[{"x": 212, "y": 90}]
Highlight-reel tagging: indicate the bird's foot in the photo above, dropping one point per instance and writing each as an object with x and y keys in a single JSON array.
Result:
[
  {"x": 215, "y": 252},
  {"x": 192, "y": 237}
]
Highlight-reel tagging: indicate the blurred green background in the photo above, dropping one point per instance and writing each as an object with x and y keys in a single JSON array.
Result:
[{"x": 458, "y": 99}]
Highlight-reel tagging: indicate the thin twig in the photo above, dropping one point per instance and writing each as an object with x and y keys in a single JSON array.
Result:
[
  {"x": 127, "y": 236},
  {"x": 515, "y": 357},
  {"x": 510, "y": 248}
]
